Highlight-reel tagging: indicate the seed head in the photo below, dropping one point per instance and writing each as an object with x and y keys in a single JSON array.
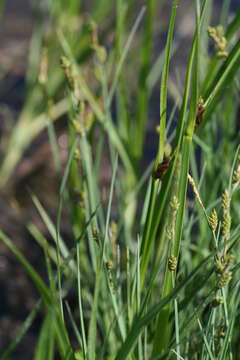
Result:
[
  {"x": 220, "y": 42},
  {"x": 169, "y": 233},
  {"x": 213, "y": 220},
  {"x": 66, "y": 66},
  {"x": 77, "y": 155},
  {"x": 219, "y": 300},
  {"x": 112, "y": 286},
  {"x": 174, "y": 203},
  {"x": 212, "y": 31},
  {"x": 200, "y": 112},
  {"x": 78, "y": 127},
  {"x": 100, "y": 52},
  {"x": 168, "y": 150},
  {"x": 224, "y": 279},
  {"x": 231, "y": 259},
  {"x": 236, "y": 175},
  {"x": 220, "y": 263},
  {"x": 195, "y": 190},
  {"x": 172, "y": 263},
  {"x": 219, "y": 31},
  {"x": 225, "y": 201},
  {"x": 109, "y": 265},
  {"x": 226, "y": 225}
]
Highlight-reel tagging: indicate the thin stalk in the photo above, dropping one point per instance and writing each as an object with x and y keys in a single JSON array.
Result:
[
  {"x": 205, "y": 341},
  {"x": 84, "y": 342},
  {"x": 128, "y": 280},
  {"x": 176, "y": 320},
  {"x": 138, "y": 297},
  {"x": 59, "y": 210},
  {"x": 164, "y": 82},
  {"x": 74, "y": 325},
  {"x": 227, "y": 320},
  {"x": 59, "y": 282},
  {"x": 124, "y": 55}
]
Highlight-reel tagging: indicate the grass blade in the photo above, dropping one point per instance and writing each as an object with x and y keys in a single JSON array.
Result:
[
  {"x": 61, "y": 334},
  {"x": 205, "y": 341},
  {"x": 45, "y": 344},
  {"x": 142, "y": 97},
  {"x": 22, "y": 331},
  {"x": 164, "y": 81},
  {"x": 140, "y": 322},
  {"x": 74, "y": 325},
  {"x": 123, "y": 57},
  {"x": 146, "y": 245},
  {"x": 222, "y": 80}
]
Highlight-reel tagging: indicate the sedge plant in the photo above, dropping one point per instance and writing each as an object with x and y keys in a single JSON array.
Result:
[{"x": 153, "y": 265}]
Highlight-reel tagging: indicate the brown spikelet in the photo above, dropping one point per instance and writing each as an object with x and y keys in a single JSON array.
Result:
[{"x": 161, "y": 169}]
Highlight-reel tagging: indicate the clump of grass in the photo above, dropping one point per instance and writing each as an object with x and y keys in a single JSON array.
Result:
[{"x": 162, "y": 280}]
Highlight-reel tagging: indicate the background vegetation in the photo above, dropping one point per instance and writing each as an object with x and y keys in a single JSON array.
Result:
[{"x": 140, "y": 257}]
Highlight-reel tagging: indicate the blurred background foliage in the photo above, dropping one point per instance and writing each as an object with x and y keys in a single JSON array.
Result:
[{"x": 34, "y": 111}]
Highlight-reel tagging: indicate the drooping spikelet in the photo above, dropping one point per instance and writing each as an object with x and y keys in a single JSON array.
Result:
[{"x": 195, "y": 190}]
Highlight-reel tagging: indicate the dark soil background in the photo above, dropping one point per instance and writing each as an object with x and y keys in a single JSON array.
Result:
[{"x": 17, "y": 294}]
